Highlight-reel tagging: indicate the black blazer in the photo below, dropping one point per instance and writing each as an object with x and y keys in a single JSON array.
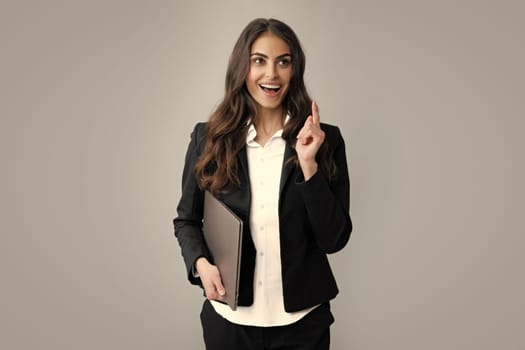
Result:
[{"x": 314, "y": 220}]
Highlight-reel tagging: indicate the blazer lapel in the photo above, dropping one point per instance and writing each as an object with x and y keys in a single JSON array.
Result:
[
  {"x": 239, "y": 199},
  {"x": 243, "y": 160},
  {"x": 288, "y": 167},
  {"x": 244, "y": 177}
]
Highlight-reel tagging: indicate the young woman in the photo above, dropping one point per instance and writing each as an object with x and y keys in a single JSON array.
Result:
[{"x": 267, "y": 156}]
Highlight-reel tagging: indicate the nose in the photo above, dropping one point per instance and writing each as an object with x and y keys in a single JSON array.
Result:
[{"x": 271, "y": 71}]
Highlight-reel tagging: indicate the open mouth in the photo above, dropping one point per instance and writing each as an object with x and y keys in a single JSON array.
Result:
[{"x": 270, "y": 89}]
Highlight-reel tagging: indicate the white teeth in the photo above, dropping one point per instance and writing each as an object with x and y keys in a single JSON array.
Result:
[{"x": 270, "y": 86}]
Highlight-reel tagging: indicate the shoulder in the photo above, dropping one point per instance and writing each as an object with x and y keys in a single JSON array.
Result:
[
  {"x": 332, "y": 133},
  {"x": 329, "y": 128},
  {"x": 200, "y": 128},
  {"x": 198, "y": 135}
]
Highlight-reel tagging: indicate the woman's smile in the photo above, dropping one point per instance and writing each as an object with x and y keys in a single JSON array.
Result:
[{"x": 270, "y": 90}]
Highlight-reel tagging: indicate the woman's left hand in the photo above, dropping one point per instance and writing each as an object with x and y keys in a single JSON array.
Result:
[{"x": 309, "y": 140}]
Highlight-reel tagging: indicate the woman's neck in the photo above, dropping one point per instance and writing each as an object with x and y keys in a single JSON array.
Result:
[{"x": 267, "y": 123}]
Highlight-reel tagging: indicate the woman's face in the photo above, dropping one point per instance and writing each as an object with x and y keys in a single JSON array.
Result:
[{"x": 270, "y": 71}]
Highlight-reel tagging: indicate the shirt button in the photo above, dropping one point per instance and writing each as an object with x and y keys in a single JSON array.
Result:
[
  {"x": 261, "y": 228},
  {"x": 260, "y": 283},
  {"x": 262, "y": 206},
  {"x": 261, "y": 254}
]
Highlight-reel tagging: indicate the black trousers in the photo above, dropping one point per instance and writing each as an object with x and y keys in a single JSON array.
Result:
[{"x": 312, "y": 332}]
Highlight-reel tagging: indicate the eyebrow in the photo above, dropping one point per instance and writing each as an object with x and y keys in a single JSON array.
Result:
[{"x": 266, "y": 56}]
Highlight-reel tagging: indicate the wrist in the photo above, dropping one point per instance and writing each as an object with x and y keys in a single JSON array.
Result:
[
  {"x": 309, "y": 169},
  {"x": 200, "y": 263}
]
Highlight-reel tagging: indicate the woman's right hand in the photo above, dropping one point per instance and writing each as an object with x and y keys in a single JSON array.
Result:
[{"x": 211, "y": 279}]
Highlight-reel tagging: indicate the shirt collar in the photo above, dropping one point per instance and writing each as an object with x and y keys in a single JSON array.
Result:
[{"x": 252, "y": 133}]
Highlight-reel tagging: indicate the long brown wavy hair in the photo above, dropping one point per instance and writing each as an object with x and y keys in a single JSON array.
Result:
[{"x": 217, "y": 167}]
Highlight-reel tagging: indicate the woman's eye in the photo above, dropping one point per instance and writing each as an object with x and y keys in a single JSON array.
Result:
[
  {"x": 258, "y": 60},
  {"x": 284, "y": 62}
]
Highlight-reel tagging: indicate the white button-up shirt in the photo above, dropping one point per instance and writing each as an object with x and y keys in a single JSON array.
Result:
[{"x": 265, "y": 166}]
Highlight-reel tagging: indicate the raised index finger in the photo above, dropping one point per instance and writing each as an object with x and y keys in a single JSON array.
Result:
[{"x": 315, "y": 113}]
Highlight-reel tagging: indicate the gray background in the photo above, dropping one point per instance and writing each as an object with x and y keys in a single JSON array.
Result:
[{"x": 98, "y": 99}]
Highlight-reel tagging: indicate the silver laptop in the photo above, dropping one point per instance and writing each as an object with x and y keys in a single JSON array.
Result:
[{"x": 223, "y": 235}]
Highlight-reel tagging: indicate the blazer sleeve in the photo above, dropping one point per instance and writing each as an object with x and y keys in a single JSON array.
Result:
[
  {"x": 188, "y": 223},
  {"x": 328, "y": 203}
]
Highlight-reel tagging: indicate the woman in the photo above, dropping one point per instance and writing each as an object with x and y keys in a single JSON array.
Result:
[{"x": 265, "y": 154}]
